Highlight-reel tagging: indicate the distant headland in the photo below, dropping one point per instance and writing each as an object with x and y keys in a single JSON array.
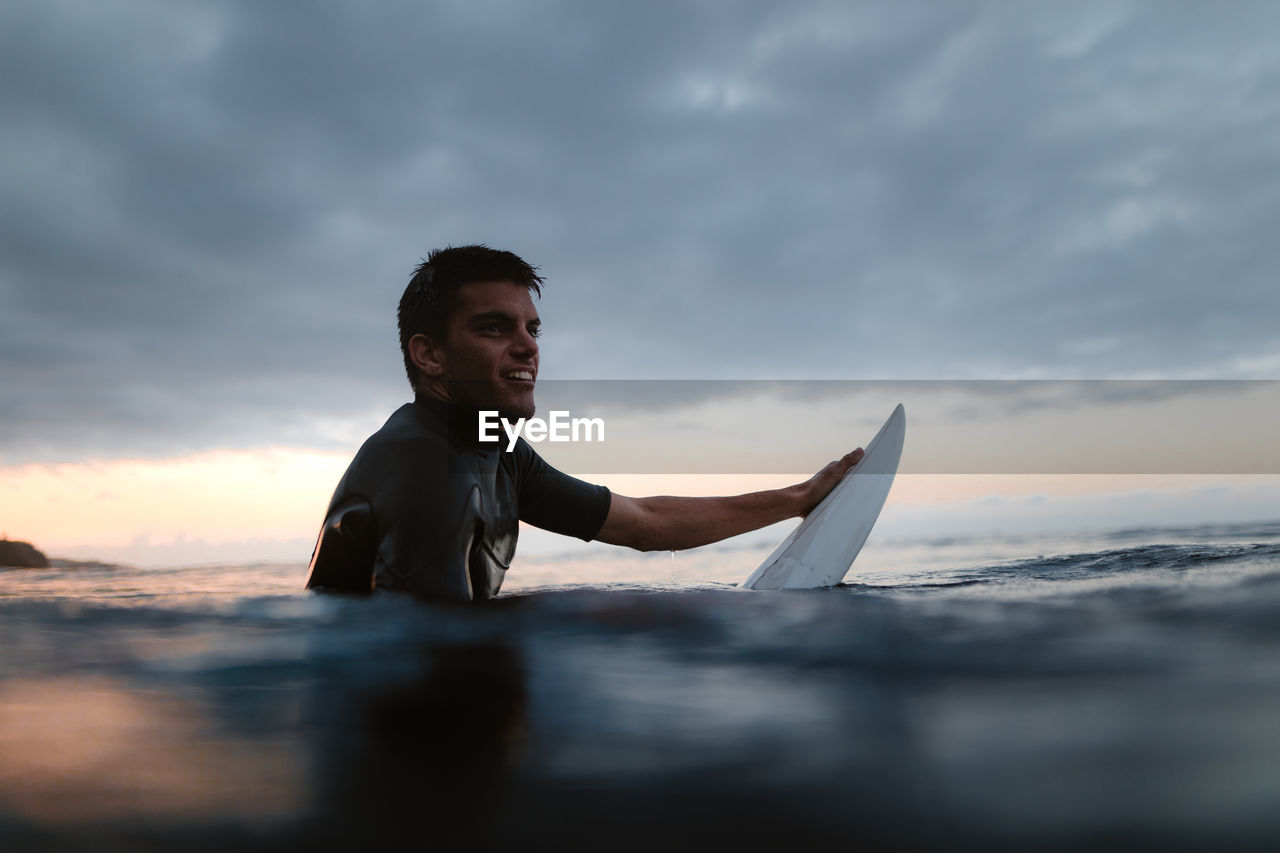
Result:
[{"x": 21, "y": 555}]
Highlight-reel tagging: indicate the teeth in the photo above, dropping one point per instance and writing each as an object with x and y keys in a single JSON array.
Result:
[{"x": 520, "y": 374}]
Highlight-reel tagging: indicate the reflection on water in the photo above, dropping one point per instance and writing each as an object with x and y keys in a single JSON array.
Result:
[
  {"x": 429, "y": 750},
  {"x": 92, "y": 749}
]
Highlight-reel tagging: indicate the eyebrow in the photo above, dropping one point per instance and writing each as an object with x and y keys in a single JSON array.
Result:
[{"x": 498, "y": 316}]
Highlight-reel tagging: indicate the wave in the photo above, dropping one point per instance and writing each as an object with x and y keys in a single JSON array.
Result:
[{"x": 1146, "y": 560}]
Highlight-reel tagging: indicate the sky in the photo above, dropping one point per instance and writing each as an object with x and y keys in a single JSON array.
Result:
[{"x": 209, "y": 210}]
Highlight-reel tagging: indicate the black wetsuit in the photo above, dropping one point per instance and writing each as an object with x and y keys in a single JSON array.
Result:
[{"x": 426, "y": 508}]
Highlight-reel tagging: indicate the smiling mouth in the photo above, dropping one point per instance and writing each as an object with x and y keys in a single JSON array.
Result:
[{"x": 519, "y": 376}]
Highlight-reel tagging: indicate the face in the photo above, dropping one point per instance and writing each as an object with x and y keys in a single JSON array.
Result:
[{"x": 488, "y": 359}]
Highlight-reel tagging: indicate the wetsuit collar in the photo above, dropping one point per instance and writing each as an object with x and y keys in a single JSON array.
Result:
[{"x": 461, "y": 425}]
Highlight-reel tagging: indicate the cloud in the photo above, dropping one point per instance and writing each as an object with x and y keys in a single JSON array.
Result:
[{"x": 209, "y": 209}]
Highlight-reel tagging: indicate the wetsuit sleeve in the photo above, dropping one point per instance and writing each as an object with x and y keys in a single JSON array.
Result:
[{"x": 554, "y": 501}]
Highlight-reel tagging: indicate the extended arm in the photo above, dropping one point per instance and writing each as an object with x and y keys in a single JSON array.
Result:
[{"x": 675, "y": 523}]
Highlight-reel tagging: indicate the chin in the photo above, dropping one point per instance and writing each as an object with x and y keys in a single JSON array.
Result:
[
  {"x": 513, "y": 410},
  {"x": 484, "y": 397}
]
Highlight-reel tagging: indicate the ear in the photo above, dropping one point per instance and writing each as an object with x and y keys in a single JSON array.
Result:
[{"x": 427, "y": 355}]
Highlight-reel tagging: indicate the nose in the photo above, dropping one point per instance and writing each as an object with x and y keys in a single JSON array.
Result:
[{"x": 526, "y": 345}]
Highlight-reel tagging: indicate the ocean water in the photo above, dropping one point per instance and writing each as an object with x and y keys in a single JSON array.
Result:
[{"x": 1109, "y": 691}]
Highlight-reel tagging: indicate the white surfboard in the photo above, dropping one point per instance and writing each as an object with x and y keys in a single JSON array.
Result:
[{"x": 820, "y": 551}]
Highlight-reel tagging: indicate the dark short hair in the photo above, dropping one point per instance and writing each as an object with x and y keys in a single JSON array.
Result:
[{"x": 432, "y": 293}]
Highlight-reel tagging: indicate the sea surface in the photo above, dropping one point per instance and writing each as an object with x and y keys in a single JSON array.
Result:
[{"x": 1100, "y": 691}]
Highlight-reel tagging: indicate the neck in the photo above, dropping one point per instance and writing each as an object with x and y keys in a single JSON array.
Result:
[{"x": 460, "y": 424}]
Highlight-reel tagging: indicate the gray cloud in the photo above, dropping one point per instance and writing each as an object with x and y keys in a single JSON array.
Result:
[{"x": 209, "y": 209}]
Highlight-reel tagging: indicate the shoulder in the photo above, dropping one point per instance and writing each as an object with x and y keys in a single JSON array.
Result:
[
  {"x": 524, "y": 454},
  {"x": 523, "y": 462},
  {"x": 406, "y": 448}
]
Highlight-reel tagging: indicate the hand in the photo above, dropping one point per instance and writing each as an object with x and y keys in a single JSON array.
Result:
[{"x": 811, "y": 492}]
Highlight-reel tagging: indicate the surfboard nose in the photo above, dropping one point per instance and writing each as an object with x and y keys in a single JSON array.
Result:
[{"x": 821, "y": 550}]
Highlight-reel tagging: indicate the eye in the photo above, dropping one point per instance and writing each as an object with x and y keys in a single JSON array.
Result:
[{"x": 535, "y": 331}]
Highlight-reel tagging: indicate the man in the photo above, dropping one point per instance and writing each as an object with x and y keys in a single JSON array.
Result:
[{"x": 427, "y": 508}]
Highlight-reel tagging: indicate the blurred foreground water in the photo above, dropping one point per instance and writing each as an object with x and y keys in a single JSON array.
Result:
[{"x": 1114, "y": 691}]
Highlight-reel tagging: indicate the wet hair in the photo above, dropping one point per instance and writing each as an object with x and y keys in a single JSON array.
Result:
[{"x": 432, "y": 293}]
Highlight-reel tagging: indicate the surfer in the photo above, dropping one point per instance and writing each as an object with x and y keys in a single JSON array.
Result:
[{"x": 427, "y": 508}]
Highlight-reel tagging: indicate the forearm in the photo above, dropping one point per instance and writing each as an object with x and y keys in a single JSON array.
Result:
[
  {"x": 667, "y": 523},
  {"x": 672, "y": 524}
]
